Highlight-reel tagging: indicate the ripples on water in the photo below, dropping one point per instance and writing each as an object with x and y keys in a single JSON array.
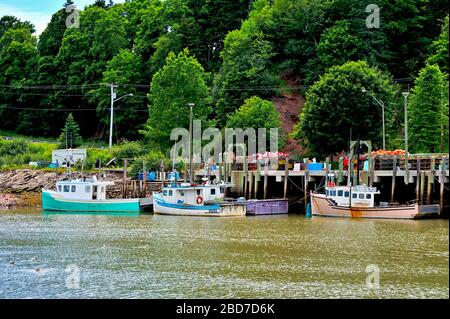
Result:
[{"x": 186, "y": 257}]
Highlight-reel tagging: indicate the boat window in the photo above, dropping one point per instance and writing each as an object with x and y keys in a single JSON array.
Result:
[
  {"x": 361, "y": 196},
  {"x": 181, "y": 193},
  {"x": 198, "y": 192},
  {"x": 340, "y": 193},
  {"x": 346, "y": 194},
  {"x": 59, "y": 188},
  {"x": 87, "y": 189},
  {"x": 328, "y": 192},
  {"x": 165, "y": 192},
  {"x": 74, "y": 188},
  {"x": 368, "y": 196},
  {"x": 334, "y": 193},
  {"x": 170, "y": 193},
  {"x": 354, "y": 195},
  {"x": 222, "y": 190},
  {"x": 213, "y": 191},
  {"x": 66, "y": 188}
]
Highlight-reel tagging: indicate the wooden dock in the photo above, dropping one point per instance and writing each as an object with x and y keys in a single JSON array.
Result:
[{"x": 424, "y": 173}]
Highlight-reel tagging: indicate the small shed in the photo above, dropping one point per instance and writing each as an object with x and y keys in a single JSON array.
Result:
[{"x": 66, "y": 156}]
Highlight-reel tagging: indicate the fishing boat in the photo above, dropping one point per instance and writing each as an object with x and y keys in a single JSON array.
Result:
[
  {"x": 359, "y": 202},
  {"x": 85, "y": 195},
  {"x": 188, "y": 199}
]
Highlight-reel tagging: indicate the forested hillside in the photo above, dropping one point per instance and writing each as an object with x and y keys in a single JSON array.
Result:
[{"x": 220, "y": 54}]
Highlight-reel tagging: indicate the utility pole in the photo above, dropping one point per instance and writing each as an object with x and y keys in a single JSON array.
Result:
[
  {"x": 113, "y": 96},
  {"x": 191, "y": 106},
  {"x": 380, "y": 102},
  {"x": 113, "y": 99}
]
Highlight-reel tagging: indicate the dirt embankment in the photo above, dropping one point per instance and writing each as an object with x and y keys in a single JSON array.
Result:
[
  {"x": 22, "y": 187},
  {"x": 289, "y": 106}
]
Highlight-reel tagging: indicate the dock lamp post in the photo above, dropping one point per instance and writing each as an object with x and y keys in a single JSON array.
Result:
[
  {"x": 382, "y": 111},
  {"x": 191, "y": 107},
  {"x": 405, "y": 95},
  {"x": 113, "y": 100}
]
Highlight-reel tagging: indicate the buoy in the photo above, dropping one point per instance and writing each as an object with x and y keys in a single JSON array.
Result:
[{"x": 308, "y": 210}]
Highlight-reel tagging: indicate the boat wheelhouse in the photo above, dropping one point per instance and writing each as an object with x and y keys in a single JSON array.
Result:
[
  {"x": 357, "y": 196},
  {"x": 85, "y": 195}
]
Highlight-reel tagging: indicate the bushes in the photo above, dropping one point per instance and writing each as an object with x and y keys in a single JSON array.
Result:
[
  {"x": 95, "y": 154},
  {"x": 13, "y": 147},
  {"x": 128, "y": 150},
  {"x": 19, "y": 152}
]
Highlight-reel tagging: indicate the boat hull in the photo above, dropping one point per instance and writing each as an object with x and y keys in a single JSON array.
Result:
[
  {"x": 52, "y": 202},
  {"x": 216, "y": 210},
  {"x": 267, "y": 207},
  {"x": 322, "y": 206}
]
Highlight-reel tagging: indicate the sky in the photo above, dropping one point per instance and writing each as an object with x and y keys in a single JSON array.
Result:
[{"x": 38, "y": 12}]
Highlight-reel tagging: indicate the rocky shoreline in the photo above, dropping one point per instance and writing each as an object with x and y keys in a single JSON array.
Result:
[{"x": 22, "y": 188}]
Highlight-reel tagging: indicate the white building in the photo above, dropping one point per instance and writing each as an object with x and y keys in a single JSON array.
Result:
[{"x": 63, "y": 157}]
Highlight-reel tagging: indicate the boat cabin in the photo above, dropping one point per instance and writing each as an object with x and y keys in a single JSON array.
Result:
[
  {"x": 84, "y": 189},
  {"x": 187, "y": 194},
  {"x": 357, "y": 196}
]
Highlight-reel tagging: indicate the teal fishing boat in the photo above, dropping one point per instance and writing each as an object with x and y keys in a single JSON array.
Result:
[{"x": 85, "y": 195}]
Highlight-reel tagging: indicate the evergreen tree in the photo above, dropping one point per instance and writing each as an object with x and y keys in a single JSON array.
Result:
[
  {"x": 70, "y": 134},
  {"x": 440, "y": 49}
]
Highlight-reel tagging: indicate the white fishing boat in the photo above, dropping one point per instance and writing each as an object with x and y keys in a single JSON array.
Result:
[{"x": 188, "y": 199}]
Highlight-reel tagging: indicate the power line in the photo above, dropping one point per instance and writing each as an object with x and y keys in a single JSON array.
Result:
[{"x": 68, "y": 110}]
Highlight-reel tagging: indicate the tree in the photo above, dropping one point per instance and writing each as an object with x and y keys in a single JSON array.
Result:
[
  {"x": 181, "y": 81},
  {"x": 215, "y": 19},
  {"x": 255, "y": 113},
  {"x": 51, "y": 38},
  {"x": 124, "y": 70},
  {"x": 245, "y": 71},
  {"x": 70, "y": 134},
  {"x": 345, "y": 42},
  {"x": 428, "y": 112},
  {"x": 18, "y": 66},
  {"x": 336, "y": 108},
  {"x": 11, "y": 22},
  {"x": 440, "y": 49}
]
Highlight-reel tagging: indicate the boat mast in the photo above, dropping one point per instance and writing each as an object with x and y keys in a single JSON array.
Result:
[{"x": 358, "y": 151}]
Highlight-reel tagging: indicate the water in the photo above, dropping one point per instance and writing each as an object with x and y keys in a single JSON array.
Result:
[{"x": 186, "y": 257}]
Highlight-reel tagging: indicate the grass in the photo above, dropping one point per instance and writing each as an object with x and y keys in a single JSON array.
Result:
[{"x": 19, "y": 151}]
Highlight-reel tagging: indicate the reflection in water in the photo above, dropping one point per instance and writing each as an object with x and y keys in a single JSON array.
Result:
[
  {"x": 255, "y": 257},
  {"x": 117, "y": 214}
]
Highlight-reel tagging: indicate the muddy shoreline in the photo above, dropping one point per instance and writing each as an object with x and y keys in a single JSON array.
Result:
[{"x": 22, "y": 188}]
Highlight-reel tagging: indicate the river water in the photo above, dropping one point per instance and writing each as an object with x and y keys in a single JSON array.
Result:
[{"x": 145, "y": 256}]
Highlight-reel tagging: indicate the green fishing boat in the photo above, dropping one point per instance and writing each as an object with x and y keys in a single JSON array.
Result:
[{"x": 85, "y": 195}]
